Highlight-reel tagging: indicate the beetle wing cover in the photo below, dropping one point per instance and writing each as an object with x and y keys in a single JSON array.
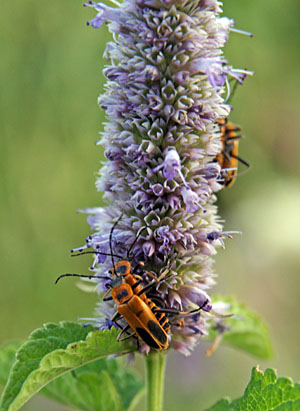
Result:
[{"x": 142, "y": 320}]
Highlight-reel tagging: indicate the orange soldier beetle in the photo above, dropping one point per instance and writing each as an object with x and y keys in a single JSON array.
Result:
[
  {"x": 229, "y": 158},
  {"x": 146, "y": 320}
]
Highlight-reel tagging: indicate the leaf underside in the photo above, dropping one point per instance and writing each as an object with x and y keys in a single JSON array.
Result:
[
  {"x": 56, "y": 349},
  {"x": 265, "y": 392}
]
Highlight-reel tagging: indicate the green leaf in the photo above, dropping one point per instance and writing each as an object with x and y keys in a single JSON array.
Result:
[
  {"x": 265, "y": 392},
  {"x": 246, "y": 330},
  {"x": 87, "y": 387},
  {"x": 88, "y": 391},
  {"x": 81, "y": 388},
  {"x": 222, "y": 405},
  {"x": 136, "y": 401},
  {"x": 127, "y": 383},
  {"x": 52, "y": 351},
  {"x": 7, "y": 358}
]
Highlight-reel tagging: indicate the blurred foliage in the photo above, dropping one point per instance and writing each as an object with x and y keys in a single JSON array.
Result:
[{"x": 50, "y": 75}]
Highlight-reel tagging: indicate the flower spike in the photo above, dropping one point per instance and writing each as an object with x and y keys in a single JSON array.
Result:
[{"x": 167, "y": 82}]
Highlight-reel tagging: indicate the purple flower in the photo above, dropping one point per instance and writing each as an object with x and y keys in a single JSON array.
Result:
[
  {"x": 190, "y": 199},
  {"x": 171, "y": 165},
  {"x": 149, "y": 248},
  {"x": 166, "y": 89},
  {"x": 105, "y": 13},
  {"x": 212, "y": 67},
  {"x": 194, "y": 293}
]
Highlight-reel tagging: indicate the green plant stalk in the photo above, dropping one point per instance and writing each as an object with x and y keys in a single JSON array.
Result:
[{"x": 155, "y": 371}]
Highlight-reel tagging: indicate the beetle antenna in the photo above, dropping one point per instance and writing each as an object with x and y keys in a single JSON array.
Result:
[
  {"x": 232, "y": 92},
  {"x": 81, "y": 276},
  {"x": 110, "y": 240},
  {"x": 95, "y": 252},
  {"x": 135, "y": 240}
]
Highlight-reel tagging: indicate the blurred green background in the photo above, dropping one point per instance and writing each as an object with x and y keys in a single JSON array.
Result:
[{"x": 50, "y": 75}]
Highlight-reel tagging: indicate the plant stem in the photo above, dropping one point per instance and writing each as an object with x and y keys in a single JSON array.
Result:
[{"x": 155, "y": 370}]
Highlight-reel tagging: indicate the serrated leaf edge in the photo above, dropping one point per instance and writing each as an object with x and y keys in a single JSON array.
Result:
[
  {"x": 91, "y": 337},
  {"x": 257, "y": 375}
]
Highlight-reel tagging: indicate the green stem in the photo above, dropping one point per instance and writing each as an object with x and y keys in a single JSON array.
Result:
[{"x": 155, "y": 370}]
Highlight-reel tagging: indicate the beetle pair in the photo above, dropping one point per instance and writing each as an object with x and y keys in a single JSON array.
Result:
[{"x": 146, "y": 320}]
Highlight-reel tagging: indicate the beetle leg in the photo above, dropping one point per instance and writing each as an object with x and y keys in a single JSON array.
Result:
[
  {"x": 177, "y": 312},
  {"x": 147, "y": 288},
  {"x": 229, "y": 139},
  {"x": 137, "y": 268},
  {"x": 138, "y": 277},
  {"x": 136, "y": 284},
  {"x": 155, "y": 297},
  {"x": 241, "y": 160},
  {"x": 127, "y": 337},
  {"x": 123, "y": 331},
  {"x": 131, "y": 335},
  {"x": 226, "y": 155},
  {"x": 116, "y": 317},
  {"x": 157, "y": 279},
  {"x": 105, "y": 298}
]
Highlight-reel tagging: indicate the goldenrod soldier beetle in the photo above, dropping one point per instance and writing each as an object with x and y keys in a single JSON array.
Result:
[
  {"x": 229, "y": 158},
  {"x": 146, "y": 320}
]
